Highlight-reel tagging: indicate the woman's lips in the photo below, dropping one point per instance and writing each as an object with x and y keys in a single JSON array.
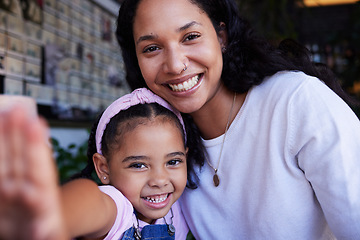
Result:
[{"x": 186, "y": 85}]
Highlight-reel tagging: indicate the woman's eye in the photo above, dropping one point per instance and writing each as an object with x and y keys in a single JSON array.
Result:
[
  {"x": 192, "y": 36},
  {"x": 137, "y": 165},
  {"x": 150, "y": 49}
]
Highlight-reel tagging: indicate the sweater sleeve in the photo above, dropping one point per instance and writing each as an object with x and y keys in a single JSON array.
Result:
[
  {"x": 325, "y": 138},
  {"x": 124, "y": 217}
]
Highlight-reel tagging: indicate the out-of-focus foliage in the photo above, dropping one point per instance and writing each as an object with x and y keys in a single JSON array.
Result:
[{"x": 70, "y": 160}]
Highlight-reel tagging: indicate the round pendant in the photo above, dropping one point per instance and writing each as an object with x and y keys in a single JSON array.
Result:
[
  {"x": 216, "y": 180},
  {"x": 171, "y": 229}
]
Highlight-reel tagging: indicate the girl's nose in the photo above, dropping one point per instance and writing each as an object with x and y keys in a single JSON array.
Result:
[
  {"x": 175, "y": 61},
  {"x": 159, "y": 178}
]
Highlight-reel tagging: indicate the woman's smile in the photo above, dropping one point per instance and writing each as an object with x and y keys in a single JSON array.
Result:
[
  {"x": 184, "y": 36},
  {"x": 186, "y": 85}
]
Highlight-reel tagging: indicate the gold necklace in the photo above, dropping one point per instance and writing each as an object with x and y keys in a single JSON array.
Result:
[{"x": 216, "y": 179}]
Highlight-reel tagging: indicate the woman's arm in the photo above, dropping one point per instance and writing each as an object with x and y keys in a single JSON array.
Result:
[{"x": 325, "y": 136}]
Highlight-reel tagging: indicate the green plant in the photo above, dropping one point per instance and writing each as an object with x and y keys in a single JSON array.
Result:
[
  {"x": 190, "y": 236},
  {"x": 69, "y": 160}
]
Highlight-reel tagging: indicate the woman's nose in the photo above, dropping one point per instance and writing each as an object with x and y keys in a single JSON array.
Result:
[{"x": 175, "y": 61}]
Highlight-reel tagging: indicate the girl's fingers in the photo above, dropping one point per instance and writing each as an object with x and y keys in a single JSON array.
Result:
[
  {"x": 41, "y": 167},
  {"x": 14, "y": 112},
  {"x": 3, "y": 161},
  {"x": 8, "y": 171},
  {"x": 29, "y": 192},
  {"x": 39, "y": 153},
  {"x": 44, "y": 194},
  {"x": 11, "y": 171},
  {"x": 16, "y": 146}
]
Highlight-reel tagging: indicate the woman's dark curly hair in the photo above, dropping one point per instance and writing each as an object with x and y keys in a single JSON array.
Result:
[{"x": 248, "y": 58}]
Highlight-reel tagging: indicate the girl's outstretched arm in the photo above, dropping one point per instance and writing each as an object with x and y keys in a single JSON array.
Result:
[
  {"x": 88, "y": 212},
  {"x": 32, "y": 205}
]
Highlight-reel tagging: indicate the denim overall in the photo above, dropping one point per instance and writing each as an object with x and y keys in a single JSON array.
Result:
[{"x": 153, "y": 232}]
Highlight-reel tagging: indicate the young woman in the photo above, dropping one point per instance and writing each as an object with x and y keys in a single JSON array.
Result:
[
  {"x": 138, "y": 151},
  {"x": 282, "y": 149}
]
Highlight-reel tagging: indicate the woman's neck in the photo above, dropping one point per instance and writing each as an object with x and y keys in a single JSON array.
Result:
[{"x": 212, "y": 118}]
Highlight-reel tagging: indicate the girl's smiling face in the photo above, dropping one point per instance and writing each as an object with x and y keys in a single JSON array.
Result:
[
  {"x": 150, "y": 167},
  {"x": 170, "y": 34}
]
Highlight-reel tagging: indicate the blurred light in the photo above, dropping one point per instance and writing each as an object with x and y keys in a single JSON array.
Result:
[{"x": 314, "y": 3}]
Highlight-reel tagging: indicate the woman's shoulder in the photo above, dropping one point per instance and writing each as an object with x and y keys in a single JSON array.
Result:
[
  {"x": 288, "y": 80},
  {"x": 286, "y": 84},
  {"x": 294, "y": 89},
  {"x": 280, "y": 86},
  {"x": 303, "y": 94}
]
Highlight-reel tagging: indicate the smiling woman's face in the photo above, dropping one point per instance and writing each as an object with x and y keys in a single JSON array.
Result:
[{"x": 172, "y": 34}]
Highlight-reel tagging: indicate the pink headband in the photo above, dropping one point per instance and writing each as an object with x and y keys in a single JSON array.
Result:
[{"x": 138, "y": 96}]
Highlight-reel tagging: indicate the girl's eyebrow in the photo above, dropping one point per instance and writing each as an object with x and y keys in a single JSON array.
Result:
[
  {"x": 180, "y": 29},
  {"x": 174, "y": 154},
  {"x": 137, "y": 158},
  {"x": 134, "y": 158}
]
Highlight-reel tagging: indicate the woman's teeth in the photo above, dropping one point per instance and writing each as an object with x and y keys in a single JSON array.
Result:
[
  {"x": 190, "y": 83},
  {"x": 157, "y": 199}
]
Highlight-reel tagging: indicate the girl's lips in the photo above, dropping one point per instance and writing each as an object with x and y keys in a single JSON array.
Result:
[
  {"x": 157, "y": 201},
  {"x": 157, "y": 198},
  {"x": 186, "y": 85}
]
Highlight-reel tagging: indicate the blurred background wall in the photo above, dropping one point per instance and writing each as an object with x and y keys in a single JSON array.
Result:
[{"x": 63, "y": 53}]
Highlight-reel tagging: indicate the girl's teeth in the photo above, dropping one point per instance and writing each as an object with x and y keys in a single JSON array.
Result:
[
  {"x": 190, "y": 83},
  {"x": 156, "y": 199}
]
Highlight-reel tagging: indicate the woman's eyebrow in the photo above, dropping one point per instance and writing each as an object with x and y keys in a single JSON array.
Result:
[
  {"x": 146, "y": 37},
  {"x": 180, "y": 29},
  {"x": 188, "y": 25}
]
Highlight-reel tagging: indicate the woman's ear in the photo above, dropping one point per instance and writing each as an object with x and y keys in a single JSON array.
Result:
[
  {"x": 101, "y": 168},
  {"x": 222, "y": 36}
]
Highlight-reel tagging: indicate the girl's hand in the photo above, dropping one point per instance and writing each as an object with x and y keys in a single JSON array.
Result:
[{"x": 30, "y": 205}]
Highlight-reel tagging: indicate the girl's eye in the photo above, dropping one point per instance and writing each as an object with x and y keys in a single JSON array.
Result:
[
  {"x": 174, "y": 162},
  {"x": 150, "y": 49},
  {"x": 137, "y": 165},
  {"x": 192, "y": 36}
]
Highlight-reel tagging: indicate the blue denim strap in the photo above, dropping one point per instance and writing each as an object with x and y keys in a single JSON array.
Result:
[{"x": 150, "y": 232}]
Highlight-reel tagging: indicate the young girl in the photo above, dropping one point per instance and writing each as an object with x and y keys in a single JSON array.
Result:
[
  {"x": 141, "y": 160},
  {"x": 282, "y": 150}
]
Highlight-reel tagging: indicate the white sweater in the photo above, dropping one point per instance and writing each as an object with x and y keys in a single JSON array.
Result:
[{"x": 290, "y": 168}]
